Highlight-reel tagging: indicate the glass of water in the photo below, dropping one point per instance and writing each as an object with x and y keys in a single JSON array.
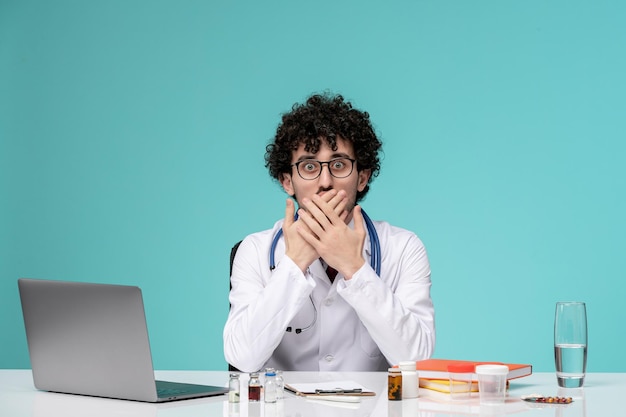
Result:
[{"x": 570, "y": 343}]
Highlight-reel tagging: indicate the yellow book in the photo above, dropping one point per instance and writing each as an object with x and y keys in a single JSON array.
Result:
[{"x": 443, "y": 385}]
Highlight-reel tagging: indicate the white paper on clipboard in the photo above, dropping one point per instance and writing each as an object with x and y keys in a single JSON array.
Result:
[{"x": 337, "y": 387}]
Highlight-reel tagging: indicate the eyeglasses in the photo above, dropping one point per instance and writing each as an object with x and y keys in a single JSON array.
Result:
[{"x": 310, "y": 169}]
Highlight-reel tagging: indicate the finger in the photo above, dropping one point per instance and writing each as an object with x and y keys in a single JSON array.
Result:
[
  {"x": 336, "y": 198},
  {"x": 341, "y": 201},
  {"x": 305, "y": 231},
  {"x": 325, "y": 212},
  {"x": 308, "y": 236},
  {"x": 289, "y": 213},
  {"x": 313, "y": 208},
  {"x": 310, "y": 221},
  {"x": 329, "y": 195},
  {"x": 358, "y": 219}
]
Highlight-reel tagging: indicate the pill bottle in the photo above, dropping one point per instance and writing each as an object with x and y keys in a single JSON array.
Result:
[
  {"x": 410, "y": 380},
  {"x": 394, "y": 384}
]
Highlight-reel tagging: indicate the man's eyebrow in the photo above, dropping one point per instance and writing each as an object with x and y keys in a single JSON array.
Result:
[
  {"x": 333, "y": 156},
  {"x": 305, "y": 157}
]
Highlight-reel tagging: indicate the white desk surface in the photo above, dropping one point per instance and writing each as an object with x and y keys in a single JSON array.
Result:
[{"x": 602, "y": 395}]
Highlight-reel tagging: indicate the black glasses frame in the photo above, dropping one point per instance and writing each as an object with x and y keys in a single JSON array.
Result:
[{"x": 322, "y": 163}]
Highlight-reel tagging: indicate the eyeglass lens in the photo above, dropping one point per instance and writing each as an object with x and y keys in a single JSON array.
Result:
[{"x": 311, "y": 168}]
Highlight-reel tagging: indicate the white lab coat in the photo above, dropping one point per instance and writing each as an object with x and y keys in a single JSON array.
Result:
[{"x": 364, "y": 324}]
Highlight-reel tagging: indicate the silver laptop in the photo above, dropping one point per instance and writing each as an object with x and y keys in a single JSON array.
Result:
[{"x": 92, "y": 339}]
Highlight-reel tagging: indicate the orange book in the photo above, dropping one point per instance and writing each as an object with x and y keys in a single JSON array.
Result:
[{"x": 438, "y": 368}]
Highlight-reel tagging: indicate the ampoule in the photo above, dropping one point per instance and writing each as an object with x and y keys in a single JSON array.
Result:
[
  {"x": 280, "y": 385},
  {"x": 233, "y": 388},
  {"x": 270, "y": 387},
  {"x": 254, "y": 387}
]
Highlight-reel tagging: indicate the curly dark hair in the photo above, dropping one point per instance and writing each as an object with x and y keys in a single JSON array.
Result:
[{"x": 324, "y": 117}]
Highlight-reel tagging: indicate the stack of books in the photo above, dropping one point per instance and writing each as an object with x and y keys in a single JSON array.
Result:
[{"x": 433, "y": 373}]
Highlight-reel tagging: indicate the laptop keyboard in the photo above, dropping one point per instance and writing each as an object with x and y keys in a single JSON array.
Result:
[{"x": 170, "y": 392}]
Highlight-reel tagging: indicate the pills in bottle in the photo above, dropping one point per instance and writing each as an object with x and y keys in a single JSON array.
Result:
[{"x": 394, "y": 384}]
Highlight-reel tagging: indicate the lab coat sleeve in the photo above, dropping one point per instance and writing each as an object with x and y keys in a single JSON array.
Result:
[
  {"x": 397, "y": 311},
  {"x": 262, "y": 305}
]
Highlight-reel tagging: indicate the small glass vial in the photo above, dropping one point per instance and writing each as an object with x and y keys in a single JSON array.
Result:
[
  {"x": 280, "y": 385},
  {"x": 410, "y": 380},
  {"x": 270, "y": 387},
  {"x": 394, "y": 384},
  {"x": 254, "y": 387},
  {"x": 233, "y": 388}
]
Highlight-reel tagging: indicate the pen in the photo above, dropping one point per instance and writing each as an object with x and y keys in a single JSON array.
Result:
[{"x": 338, "y": 391}]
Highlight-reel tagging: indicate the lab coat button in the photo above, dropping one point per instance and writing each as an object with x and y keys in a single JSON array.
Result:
[
  {"x": 329, "y": 358},
  {"x": 329, "y": 301}
]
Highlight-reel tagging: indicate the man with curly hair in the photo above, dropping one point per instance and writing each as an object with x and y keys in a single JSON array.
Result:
[{"x": 314, "y": 302}]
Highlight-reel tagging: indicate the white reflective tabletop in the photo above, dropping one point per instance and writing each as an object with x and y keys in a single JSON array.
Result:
[{"x": 600, "y": 396}]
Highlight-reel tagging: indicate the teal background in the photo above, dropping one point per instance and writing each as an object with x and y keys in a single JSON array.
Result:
[{"x": 132, "y": 136}]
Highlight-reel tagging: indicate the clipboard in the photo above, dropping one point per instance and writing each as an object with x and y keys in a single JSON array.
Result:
[{"x": 320, "y": 389}]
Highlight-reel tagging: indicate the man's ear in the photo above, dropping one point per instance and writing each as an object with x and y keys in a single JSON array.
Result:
[
  {"x": 364, "y": 177},
  {"x": 285, "y": 181}
]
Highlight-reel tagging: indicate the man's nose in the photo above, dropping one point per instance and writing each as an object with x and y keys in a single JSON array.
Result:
[{"x": 325, "y": 179}]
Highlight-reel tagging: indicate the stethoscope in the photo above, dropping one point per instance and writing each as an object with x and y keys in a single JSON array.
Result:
[{"x": 374, "y": 261}]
